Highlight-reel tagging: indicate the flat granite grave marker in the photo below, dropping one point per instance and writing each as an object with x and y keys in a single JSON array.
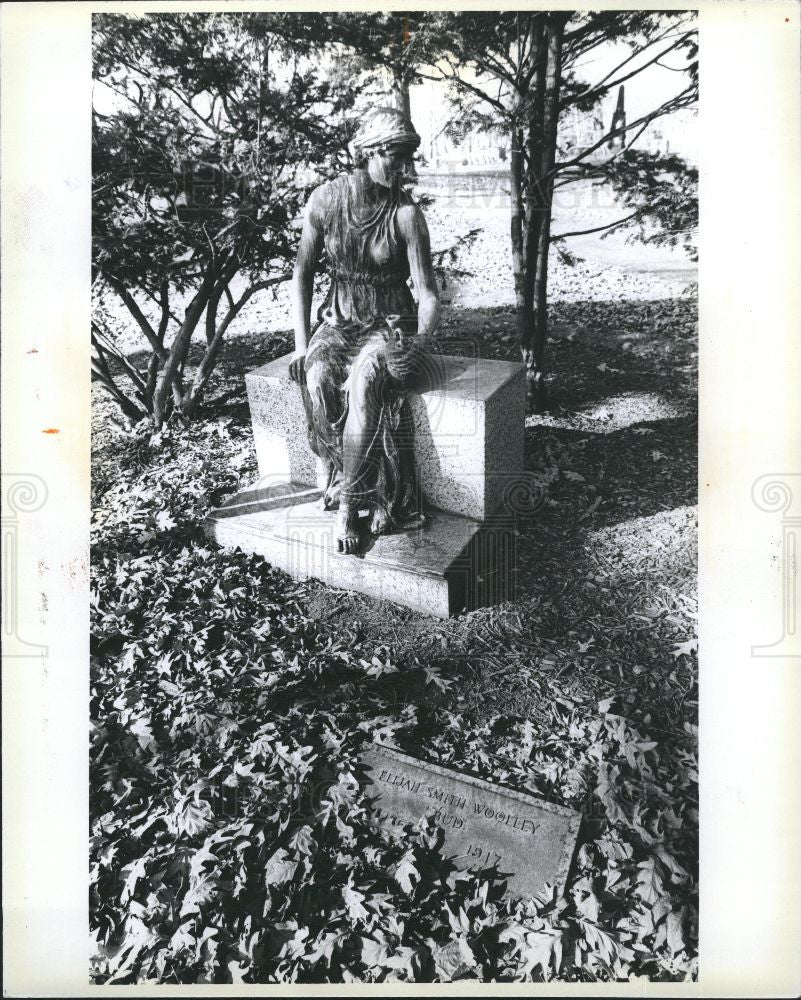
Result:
[{"x": 531, "y": 841}]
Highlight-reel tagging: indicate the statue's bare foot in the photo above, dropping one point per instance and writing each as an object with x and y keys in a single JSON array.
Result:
[
  {"x": 379, "y": 523},
  {"x": 347, "y": 530},
  {"x": 331, "y": 497}
]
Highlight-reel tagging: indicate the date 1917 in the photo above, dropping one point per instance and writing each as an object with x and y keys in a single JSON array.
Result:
[{"x": 477, "y": 853}]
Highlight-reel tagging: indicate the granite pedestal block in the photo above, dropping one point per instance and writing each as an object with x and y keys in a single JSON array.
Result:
[
  {"x": 450, "y": 564},
  {"x": 468, "y": 433}
]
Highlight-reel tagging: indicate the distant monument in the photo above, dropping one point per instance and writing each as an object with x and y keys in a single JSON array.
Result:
[{"x": 618, "y": 122}]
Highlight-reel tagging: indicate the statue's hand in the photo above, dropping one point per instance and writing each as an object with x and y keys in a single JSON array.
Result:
[
  {"x": 400, "y": 334},
  {"x": 297, "y": 367},
  {"x": 401, "y": 358},
  {"x": 396, "y": 345}
]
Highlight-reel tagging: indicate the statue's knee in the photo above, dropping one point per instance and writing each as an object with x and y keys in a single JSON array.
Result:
[
  {"x": 322, "y": 392},
  {"x": 319, "y": 374},
  {"x": 366, "y": 376}
]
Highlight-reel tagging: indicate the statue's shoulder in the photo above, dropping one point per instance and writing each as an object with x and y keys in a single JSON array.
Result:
[
  {"x": 410, "y": 215},
  {"x": 333, "y": 184},
  {"x": 324, "y": 193},
  {"x": 320, "y": 200}
]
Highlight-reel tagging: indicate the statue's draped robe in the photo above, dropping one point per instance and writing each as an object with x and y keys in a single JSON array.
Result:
[{"x": 368, "y": 267}]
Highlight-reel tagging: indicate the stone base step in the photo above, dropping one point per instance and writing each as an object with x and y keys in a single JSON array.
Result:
[{"x": 452, "y": 564}]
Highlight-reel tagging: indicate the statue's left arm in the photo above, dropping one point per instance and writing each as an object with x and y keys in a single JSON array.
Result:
[{"x": 414, "y": 231}]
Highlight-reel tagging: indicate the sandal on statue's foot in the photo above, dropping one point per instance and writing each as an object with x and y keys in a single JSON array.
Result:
[{"x": 347, "y": 531}]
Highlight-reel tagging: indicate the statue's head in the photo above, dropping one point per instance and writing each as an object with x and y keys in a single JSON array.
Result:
[{"x": 385, "y": 143}]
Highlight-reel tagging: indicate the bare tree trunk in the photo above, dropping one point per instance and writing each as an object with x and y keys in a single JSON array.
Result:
[
  {"x": 534, "y": 198},
  {"x": 152, "y": 375},
  {"x": 400, "y": 91},
  {"x": 400, "y": 79},
  {"x": 516, "y": 232},
  {"x": 178, "y": 351},
  {"x": 553, "y": 79},
  {"x": 211, "y": 314},
  {"x": 138, "y": 315},
  {"x": 153, "y": 366},
  {"x": 209, "y": 361},
  {"x": 129, "y": 409},
  {"x": 102, "y": 374}
]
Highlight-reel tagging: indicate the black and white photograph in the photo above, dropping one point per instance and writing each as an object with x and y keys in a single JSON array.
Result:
[
  {"x": 392, "y": 567},
  {"x": 394, "y": 497}
]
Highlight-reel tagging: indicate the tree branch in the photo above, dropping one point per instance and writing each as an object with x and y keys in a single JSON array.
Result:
[
  {"x": 494, "y": 68},
  {"x": 206, "y": 366},
  {"x": 671, "y": 28},
  {"x": 603, "y": 87},
  {"x": 667, "y": 108},
  {"x": 164, "y": 293},
  {"x": 137, "y": 314},
  {"x": 463, "y": 84},
  {"x": 597, "y": 229},
  {"x": 101, "y": 374},
  {"x": 103, "y": 343}
]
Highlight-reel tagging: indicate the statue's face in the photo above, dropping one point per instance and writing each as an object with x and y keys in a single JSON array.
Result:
[{"x": 394, "y": 163}]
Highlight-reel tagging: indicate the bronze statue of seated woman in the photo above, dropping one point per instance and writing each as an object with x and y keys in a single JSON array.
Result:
[{"x": 372, "y": 344}]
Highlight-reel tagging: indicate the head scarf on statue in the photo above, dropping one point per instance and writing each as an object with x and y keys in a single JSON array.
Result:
[{"x": 385, "y": 142}]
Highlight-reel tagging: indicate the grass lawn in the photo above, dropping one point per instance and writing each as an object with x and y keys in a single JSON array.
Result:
[{"x": 224, "y": 694}]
